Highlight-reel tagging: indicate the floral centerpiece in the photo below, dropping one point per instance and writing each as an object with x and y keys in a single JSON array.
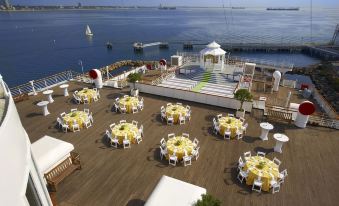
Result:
[
  {"x": 229, "y": 121},
  {"x": 178, "y": 143},
  {"x": 73, "y": 114},
  {"x": 122, "y": 127},
  {"x": 261, "y": 165}
]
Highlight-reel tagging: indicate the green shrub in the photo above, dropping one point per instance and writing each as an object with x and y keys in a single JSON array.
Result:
[{"x": 208, "y": 200}]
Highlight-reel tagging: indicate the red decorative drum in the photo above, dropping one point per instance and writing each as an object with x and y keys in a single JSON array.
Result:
[
  {"x": 162, "y": 62},
  {"x": 93, "y": 74},
  {"x": 307, "y": 108}
]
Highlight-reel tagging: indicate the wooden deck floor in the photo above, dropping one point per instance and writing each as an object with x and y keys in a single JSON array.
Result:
[{"x": 127, "y": 177}]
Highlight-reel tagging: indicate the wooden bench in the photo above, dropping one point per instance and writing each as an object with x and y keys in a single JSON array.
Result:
[
  {"x": 279, "y": 115},
  {"x": 20, "y": 97},
  {"x": 62, "y": 170}
]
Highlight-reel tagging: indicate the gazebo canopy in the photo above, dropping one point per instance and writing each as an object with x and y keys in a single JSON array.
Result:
[{"x": 213, "y": 49}]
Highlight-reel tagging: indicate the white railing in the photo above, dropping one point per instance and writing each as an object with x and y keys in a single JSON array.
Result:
[{"x": 45, "y": 83}]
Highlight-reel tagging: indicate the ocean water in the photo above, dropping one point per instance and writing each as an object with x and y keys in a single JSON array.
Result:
[{"x": 37, "y": 44}]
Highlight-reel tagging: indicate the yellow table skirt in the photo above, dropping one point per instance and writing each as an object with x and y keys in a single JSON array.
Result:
[
  {"x": 128, "y": 129},
  {"x": 268, "y": 171},
  {"x": 128, "y": 102},
  {"x": 185, "y": 144},
  {"x": 234, "y": 125},
  {"x": 89, "y": 93},
  {"x": 176, "y": 111},
  {"x": 78, "y": 116}
]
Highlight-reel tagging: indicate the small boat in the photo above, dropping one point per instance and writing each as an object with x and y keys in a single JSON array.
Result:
[
  {"x": 88, "y": 31},
  {"x": 109, "y": 45}
]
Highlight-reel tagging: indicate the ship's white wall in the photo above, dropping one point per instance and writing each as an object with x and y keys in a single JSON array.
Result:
[{"x": 16, "y": 162}]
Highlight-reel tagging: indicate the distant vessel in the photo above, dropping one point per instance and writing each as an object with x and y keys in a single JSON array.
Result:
[
  {"x": 283, "y": 9},
  {"x": 88, "y": 31},
  {"x": 109, "y": 45},
  {"x": 238, "y": 7},
  {"x": 167, "y": 7}
]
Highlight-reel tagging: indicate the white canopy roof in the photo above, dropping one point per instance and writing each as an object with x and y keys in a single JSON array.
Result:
[
  {"x": 48, "y": 151},
  {"x": 170, "y": 191},
  {"x": 213, "y": 49}
]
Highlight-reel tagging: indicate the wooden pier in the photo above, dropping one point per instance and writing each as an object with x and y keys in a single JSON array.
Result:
[{"x": 139, "y": 46}]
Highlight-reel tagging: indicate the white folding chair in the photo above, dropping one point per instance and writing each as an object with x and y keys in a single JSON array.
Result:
[
  {"x": 163, "y": 115},
  {"x": 247, "y": 155},
  {"x": 181, "y": 120},
  {"x": 141, "y": 130},
  {"x": 171, "y": 135},
  {"x": 76, "y": 99},
  {"x": 95, "y": 97},
  {"x": 169, "y": 104},
  {"x": 117, "y": 100},
  {"x": 187, "y": 159},
  {"x": 140, "y": 105},
  {"x": 85, "y": 88},
  {"x": 74, "y": 110},
  {"x": 90, "y": 116},
  {"x": 173, "y": 159},
  {"x": 186, "y": 135},
  {"x": 239, "y": 134},
  {"x": 135, "y": 109},
  {"x": 170, "y": 120},
  {"x": 95, "y": 89},
  {"x": 163, "y": 152},
  {"x": 111, "y": 126},
  {"x": 188, "y": 115},
  {"x": 64, "y": 127},
  {"x": 87, "y": 123},
  {"x": 242, "y": 175},
  {"x": 245, "y": 128},
  {"x": 219, "y": 116},
  {"x": 188, "y": 108},
  {"x": 178, "y": 103},
  {"x": 216, "y": 128},
  {"x": 257, "y": 184},
  {"x": 283, "y": 175},
  {"x": 162, "y": 108},
  {"x": 126, "y": 142},
  {"x": 123, "y": 109},
  {"x": 122, "y": 121},
  {"x": 135, "y": 123},
  {"x": 242, "y": 119},
  {"x": 195, "y": 153},
  {"x": 86, "y": 111},
  {"x": 137, "y": 137},
  {"x": 277, "y": 161},
  {"x": 75, "y": 126},
  {"x": 276, "y": 188},
  {"x": 59, "y": 122},
  {"x": 261, "y": 154},
  {"x": 163, "y": 141},
  {"x": 241, "y": 163},
  {"x": 125, "y": 96},
  {"x": 227, "y": 134},
  {"x": 230, "y": 115},
  {"x": 116, "y": 107},
  {"x": 195, "y": 142}
]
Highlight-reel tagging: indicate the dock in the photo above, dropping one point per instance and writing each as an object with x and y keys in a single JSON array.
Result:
[{"x": 139, "y": 46}]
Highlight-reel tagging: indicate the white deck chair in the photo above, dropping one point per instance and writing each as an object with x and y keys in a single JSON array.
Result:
[
  {"x": 188, "y": 115},
  {"x": 77, "y": 99},
  {"x": 122, "y": 121},
  {"x": 188, "y": 108},
  {"x": 163, "y": 141},
  {"x": 239, "y": 134},
  {"x": 277, "y": 161},
  {"x": 87, "y": 123},
  {"x": 90, "y": 116},
  {"x": 173, "y": 159},
  {"x": 247, "y": 155},
  {"x": 125, "y": 96},
  {"x": 181, "y": 120},
  {"x": 86, "y": 111},
  {"x": 163, "y": 115},
  {"x": 195, "y": 142},
  {"x": 195, "y": 153},
  {"x": 75, "y": 126},
  {"x": 261, "y": 154},
  {"x": 140, "y": 105},
  {"x": 242, "y": 175},
  {"x": 171, "y": 135},
  {"x": 116, "y": 107},
  {"x": 111, "y": 126},
  {"x": 187, "y": 159},
  {"x": 227, "y": 134},
  {"x": 178, "y": 103},
  {"x": 170, "y": 120},
  {"x": 245, "y": 128},
  {"x": 126, "y": 142},
  {"x": 241, "y": 164},
  {"x": 186, "y": 135},
  {"x": 115, "y": 142},
  {"x": 123, "y": 109},
  {"x": 276, "y": 188},
  {"x": 135, "y": 123},
  {"x": 64, "y": 127},
  {"x": 216, "y": 128},
  {"x": 141, "y": 130},
  {"x": 162, "y": 108},
  {"x": 257, "y": 185},
  {"x": 59, "y": 122},
  {"x": 230, "y": 115},
  {"x": 163, "y": 152},
  {"x": 135, "y": 109},
  {"x": 74, "y": 110},
  {"x": 85, "y": 100},
  {"x": 169, "y": 104},
  {"x": 95, "y": 97},
  {"x": 117, "y": 100},
  {"x": 283, "y": 175},
  {"x": 219, "y": 116}
]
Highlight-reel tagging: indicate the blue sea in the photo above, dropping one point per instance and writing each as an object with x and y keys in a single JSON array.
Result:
[{"x": 37, "y": 44}]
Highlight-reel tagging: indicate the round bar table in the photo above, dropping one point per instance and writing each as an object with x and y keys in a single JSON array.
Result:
[
  {"x": 49, "y": 93},
  {"x": 65, "y": 87},
  {"x": 280, "y": 140},
  {"x": 265, "y": 128},
  {"x": 44, "y": 104}
]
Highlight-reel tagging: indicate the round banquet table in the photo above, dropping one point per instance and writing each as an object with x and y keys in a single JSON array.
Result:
[
  {"x": 230, "y": 122},
  {"x": 65, "y": 87},
  {"x": 264, "y": 167},
  {"x": 89, "y": 93},
  {"x": 43, "y": 105},
  {"x": 78, "y": 116},
  {"x": 280, "y": 140},
  {"x": 175, "y": 111},
  {"x": 265, "y": 128},
  {"x": 120, "y": 130},
  {"x": 180, "y": 144},
  {"x": 49, "y": 93},
  {"x": 128, "y": 102}
]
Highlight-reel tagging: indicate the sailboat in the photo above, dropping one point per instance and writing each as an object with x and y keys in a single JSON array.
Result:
[{"x": 88, "y": 31}]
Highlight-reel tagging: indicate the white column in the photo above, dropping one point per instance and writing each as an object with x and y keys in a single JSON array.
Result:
[{"x": 301, "y": 120}]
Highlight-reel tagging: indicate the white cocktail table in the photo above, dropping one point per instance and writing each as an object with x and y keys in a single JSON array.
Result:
[
  {"x": 49, "y": 93},
  {"x": 265, "y": 128},
  {"x": 280, "y": 140},
  {"x": 65, "y": 87},
  {"x": 44, "y": 104}
]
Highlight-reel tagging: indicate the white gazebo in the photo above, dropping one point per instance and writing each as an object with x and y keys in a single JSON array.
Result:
[{"x": 212, "y": 58}]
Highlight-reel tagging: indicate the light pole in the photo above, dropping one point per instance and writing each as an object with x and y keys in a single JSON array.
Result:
[{"x": 82, "y": 67}]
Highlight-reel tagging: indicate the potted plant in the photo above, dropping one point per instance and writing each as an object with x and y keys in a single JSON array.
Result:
[
  {"x": 132, "y": 78},
  {"x": 208, "y": 200},
  {"x": 242, "y": 95}
]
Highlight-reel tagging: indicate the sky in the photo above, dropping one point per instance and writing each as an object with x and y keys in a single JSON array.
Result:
[{"x": 247, "y": 3}]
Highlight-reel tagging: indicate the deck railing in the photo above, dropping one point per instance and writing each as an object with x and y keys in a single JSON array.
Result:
[{"x": 44, "y": 83}]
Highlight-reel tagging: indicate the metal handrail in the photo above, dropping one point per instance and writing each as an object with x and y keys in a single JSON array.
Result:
[{"x": 45, "y": 82}]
